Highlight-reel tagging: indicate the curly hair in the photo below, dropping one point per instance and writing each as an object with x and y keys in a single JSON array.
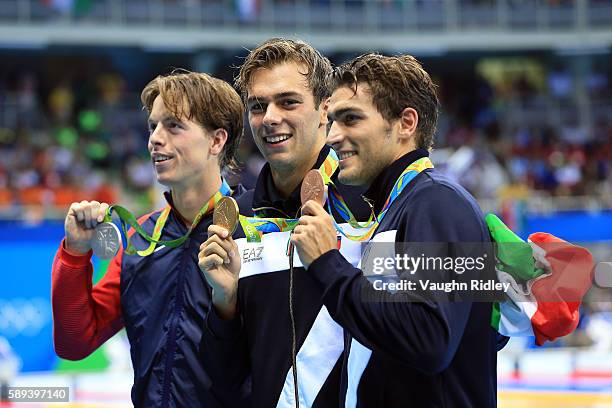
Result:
[
  {"x": 395, "y": 83},
  {"x": 280, "y": 50}
]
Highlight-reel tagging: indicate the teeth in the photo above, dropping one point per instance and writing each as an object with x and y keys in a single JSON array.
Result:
[
  {"x": 160, "y": 158},
  {"x": 345, "y": 155},
  {"x": 276, "y": 139}
]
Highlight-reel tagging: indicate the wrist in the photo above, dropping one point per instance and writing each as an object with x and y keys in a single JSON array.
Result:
[
  {"x": 75, "y": 249},
  {"x": 225, "y": 304}
]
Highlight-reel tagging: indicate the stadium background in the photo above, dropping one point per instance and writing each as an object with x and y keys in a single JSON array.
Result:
[{"x": 526, "y": 126}]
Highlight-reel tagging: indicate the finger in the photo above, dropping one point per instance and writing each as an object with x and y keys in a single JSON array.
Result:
[
  {"x": 306, "y": 220},
  {"x": 233, "y": 253},
  {"x": 92, "y": 213},
  {"x": 313, "y": 208},
  {"x": 209, "y": 262},
  {"x": 224, "y": 243},
  {"x": 216, "y": 249},
  {"x": 102, "y": 212},
  {"x": 86, "y": 210},
  {"x": 307, "y": 232},
  {"x": 307, "y": 208},
  {"x": 78, "y": 211},
  {"x": 296, "y": 240},
  {"x": 72, "y": 209},
  {"x": 206, "y": 243},
  {"x": 217, "y": 230}
]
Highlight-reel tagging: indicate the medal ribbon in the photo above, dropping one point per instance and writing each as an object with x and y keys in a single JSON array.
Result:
[
  {"x": 404, "y": 179},
  {"x": 254, "y": 227},
  {"x": 127, "y": 218}
]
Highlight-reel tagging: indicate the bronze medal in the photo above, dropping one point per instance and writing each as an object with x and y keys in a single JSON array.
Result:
[{"x": 313, "y": 188}]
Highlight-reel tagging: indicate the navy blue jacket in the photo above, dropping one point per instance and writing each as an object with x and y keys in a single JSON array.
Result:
[
  {"x": 256, "y": 346},
  {"x": 164, "y": 300},
  {"x": 421, "y": 354}
]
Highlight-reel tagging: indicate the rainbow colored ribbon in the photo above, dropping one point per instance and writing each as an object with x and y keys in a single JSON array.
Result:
[{"x": 126, "y": 217}]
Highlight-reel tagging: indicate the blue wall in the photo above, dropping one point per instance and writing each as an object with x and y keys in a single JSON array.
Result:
[
  {"x": 573, "y": 226},
  {"x": 25, "y": 292}
]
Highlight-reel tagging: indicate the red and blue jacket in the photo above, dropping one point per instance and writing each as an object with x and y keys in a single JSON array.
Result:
[{"x": 161, "y": 300}]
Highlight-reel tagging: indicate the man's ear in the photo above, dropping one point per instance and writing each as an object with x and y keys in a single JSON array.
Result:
[
  {"x": 408, "y": 122},
  {"x": 219, "y": 138},
  {"x": 323, "y": 107}
]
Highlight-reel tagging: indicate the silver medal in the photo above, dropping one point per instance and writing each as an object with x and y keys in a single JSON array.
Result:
[{"x": 106, "y": 240}]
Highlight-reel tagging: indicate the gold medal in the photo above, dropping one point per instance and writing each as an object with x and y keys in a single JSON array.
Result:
[{"x": 226, "y": 214}]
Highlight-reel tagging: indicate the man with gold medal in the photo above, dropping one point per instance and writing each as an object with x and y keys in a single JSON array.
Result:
[{"x": 154, "y": 287}]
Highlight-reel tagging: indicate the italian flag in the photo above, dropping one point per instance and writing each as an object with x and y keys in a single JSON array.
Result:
[{"x": 548, "y": 278}]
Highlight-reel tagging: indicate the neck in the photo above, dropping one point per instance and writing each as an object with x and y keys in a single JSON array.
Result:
[
  {"x": 403, "y": 150},
  {"x": 188, "y": 200},
  {"x": 286, "y": 179}
]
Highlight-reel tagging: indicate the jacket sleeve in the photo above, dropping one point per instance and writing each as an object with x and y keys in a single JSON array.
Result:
[
  {"x": 422, "y": 334},
  {"x": 84, "y": 316},
  {"x": 225, "y": 357}
]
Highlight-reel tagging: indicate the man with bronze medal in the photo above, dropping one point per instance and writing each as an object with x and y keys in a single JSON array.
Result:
[
  {"x": 383, "y": 113},
  {"x": 268, "y": 326},
  {"x": 154, "y": 287}
]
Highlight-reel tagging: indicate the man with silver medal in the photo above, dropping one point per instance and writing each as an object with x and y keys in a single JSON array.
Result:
[{"x": 153, "y": 288}]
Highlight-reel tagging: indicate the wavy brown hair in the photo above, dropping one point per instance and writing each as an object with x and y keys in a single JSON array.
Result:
[
  {"x": 208, "y": 101},
  {"x": 280, "y": 50},
  {"x": 395, "y": 83}
]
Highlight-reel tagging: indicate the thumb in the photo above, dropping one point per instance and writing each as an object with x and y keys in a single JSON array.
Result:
[{"x": 234, "y": 253}]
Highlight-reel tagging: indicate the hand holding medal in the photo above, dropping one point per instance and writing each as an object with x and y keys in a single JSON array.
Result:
[
  {"x": 315, "y": 233},
  {"x": 88, "y": 226},
  {"x": 218, "y": 257},
  {"x": 86, "y": 229}
]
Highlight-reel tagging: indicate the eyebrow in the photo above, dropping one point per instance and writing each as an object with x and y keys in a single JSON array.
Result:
[
  {"x": 164, "y": 119},
  {"x": 341, "y": 112},
  {"x": 288, "y": 94}
]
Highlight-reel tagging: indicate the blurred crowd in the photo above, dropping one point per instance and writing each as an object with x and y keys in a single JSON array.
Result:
[
  {"x": 84, "y": 138},
  {"x": 257, "y": 11},
  {"x": 70, "y": 141},
  {"x": 524, "y": 132}
]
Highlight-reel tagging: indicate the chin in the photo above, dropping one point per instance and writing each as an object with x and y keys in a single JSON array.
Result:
[
  {"x": 348, "y": 178},
  {"x": 281, "y": 160},
  {"x": 164, "y": 181}
]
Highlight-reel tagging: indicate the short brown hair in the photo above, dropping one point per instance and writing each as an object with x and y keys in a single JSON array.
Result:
[
  {"x": 395, "y": 84},
  {"x": 211, "y": 102},
  {"x": 279, "y": 50}
]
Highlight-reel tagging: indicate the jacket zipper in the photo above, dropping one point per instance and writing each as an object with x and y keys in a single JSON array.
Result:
[{"x": 171, "y": 342}]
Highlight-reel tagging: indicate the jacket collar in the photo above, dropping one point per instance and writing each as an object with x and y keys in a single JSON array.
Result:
[
  {"x": 382, "y": 185},
  {"x": 266, "y": 195},
  {"x": 236, "y": 191}
]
